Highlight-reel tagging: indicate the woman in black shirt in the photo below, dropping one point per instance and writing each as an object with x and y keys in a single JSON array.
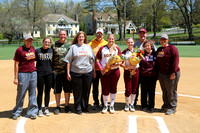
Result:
[{"x": 44, "y": 57}]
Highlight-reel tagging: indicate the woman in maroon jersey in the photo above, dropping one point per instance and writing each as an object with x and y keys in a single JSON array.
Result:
[{"x": 169, "y": 74}]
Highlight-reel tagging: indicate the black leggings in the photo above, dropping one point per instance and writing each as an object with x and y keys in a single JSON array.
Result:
[{"x": 45, "y": 80}]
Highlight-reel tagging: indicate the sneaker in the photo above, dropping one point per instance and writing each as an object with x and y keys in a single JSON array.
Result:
[
  {"x": 145, "y": 109},
  {"x": 57, "y": 110},
  {"x": 152, "y": 110},
  {"x": 67, "y": 109},
  {"x": 95, "y": 107},
  {"x": 32, "y": 116},
  {"x": 46, "y": 112},
  {"x": 126, "y": 108},
  {"x": 15, "y": 117},
  {"x": 79, "y": 112},
  {"x": 112, "y": 110},
  {"x": 104, "y": 110},
  {"x": 132, "y": 109},
  {"x": 170, "y": 112},
  {"x": 40, "y": 113}
]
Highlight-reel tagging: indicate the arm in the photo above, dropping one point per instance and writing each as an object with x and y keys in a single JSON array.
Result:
[
  {"x": 68, "y": 71},
  {"x": 100, "y": 67},
  {"x": 175, "y": 62},
  {"x": 16, "y": 70}
]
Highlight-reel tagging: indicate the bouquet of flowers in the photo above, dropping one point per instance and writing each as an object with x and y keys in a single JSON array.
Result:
[
  {"x": 135, "y": 58},
  {"x": 113, "y": 60}
]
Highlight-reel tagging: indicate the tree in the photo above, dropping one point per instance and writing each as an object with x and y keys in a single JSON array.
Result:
[
  {"x": 187, "y": 9},
  {"x": 10, "y": 22},
  {"x": 92, "y": 6}
]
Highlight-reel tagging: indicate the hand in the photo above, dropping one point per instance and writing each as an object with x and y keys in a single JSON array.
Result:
[
  {"x": 103, "y": 71},
  {"x": 69, "y": 77},
  {"x": 172, "y": 76},
  {"x": 15, "y": 81}
]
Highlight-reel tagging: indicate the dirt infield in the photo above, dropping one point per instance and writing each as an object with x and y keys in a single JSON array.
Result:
[{"x": 187, "y": 118}]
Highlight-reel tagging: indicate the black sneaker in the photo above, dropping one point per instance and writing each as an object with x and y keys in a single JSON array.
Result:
[
  {"x": 57, "y": 110},
  {"x": 95, "y": 107},
  {"x": 79, "y": 112},
  {"x": 67, "y": 109}
]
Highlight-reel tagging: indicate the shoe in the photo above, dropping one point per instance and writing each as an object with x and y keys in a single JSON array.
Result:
[
  {"x": 95, "y": 107},
  {"x": 164, "y": 110},
  {"x": 132, "y": 109},
  {"x": 112, "y": 110},
  {"x": 145, "y": 109},
  {"x": 67, "y": 109},
  {"x": 170, "y": 112},
  {"x": 32, "y": 116},
  {"x": 126, "y": 108},
  {"x": 46, "y": 112},
  {"x": 152, "y": 110},
  {"x": 15, "y": 117},
  {"x": 79, "y": 112},
  {"x": 57, "y": 110},
  {"x": 40, "y": 113},
  {"x": 85, "y": 111},
  {"x": 104, "y": 110}
]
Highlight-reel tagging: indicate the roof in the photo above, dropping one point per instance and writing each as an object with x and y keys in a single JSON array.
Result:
[
  {"x": 56, "y": 17},
  {"x": 104, "y": 17}
]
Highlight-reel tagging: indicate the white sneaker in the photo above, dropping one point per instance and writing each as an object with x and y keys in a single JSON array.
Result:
[
  {"x": 40, "y": 113},
  {"x": 46, "y": 112},
  {"x": 104, "y": 110},
  {"x": 132, "y": 109},
  {"x": 112, "y": 110},
  {"x": 126, "y": 108}
]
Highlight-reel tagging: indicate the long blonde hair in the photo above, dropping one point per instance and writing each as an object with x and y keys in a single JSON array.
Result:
[
  {"x": 75, "y": 40},
  {"x": 113, "y": 47}
]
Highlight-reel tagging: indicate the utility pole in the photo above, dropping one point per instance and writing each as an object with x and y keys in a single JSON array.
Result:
[{"x": 125, "y": 19}]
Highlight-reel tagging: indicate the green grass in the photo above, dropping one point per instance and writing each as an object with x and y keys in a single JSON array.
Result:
[{"x": 7, "y": 52}]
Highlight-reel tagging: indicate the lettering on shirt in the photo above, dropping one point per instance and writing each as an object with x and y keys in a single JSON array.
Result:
[
  {"x": 83, "y": 53},
  {"x": 107, "y": 55},
  {"x": 46, "y": 56},
  {"x": 30, "y": 55},
  {"x": 160, "y": 54}
]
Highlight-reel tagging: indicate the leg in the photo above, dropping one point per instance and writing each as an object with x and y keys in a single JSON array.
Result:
[
  {"x": 162, "y": 79},
  {"x": 21, "y": 92},
  {"x": 40, "y": 86},
  {"x": 144, "y": 86},
  {"x": 95, "y": 90},
  {"x": 151, "y": 91},
  {"x": 32, "y": 107},
  {"x": 87, "y": 80},
  {"x": 48, "y": 83},
  {"x": 77, "y": 90}
]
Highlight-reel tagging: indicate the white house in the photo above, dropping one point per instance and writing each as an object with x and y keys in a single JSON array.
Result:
[
  {"x": 55, "y": 22},
  {"x": 108, "y": 22}
]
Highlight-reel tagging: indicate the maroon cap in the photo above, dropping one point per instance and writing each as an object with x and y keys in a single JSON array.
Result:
[{"x": 143, "y": 30}]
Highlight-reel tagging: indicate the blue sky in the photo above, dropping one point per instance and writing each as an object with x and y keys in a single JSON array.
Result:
[{"x": 75, "y": 1}]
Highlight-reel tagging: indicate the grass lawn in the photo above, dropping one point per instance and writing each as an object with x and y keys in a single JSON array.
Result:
[{"x": 7, "y": 52}]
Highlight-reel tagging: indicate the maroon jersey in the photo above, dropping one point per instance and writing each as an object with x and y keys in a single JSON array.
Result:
[
  {"x": 168, "y": 59},
  {"x": 26, "y": 58},
  {"x": 148, "y": 64}
]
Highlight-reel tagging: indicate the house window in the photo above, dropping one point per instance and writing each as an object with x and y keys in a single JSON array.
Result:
[
  {"x": 48, "y": 25},
  {"x": 88, "y": 24},
  {"x": 53, "y": 25},
  {"x": 71, "y": 32},
  {"x": 90, "y": 30},
  {"x": 75, "y": 25},
  {"x": 35, "y": 32},
  {"x": 54, "y": 32},
  {"x": 48, "y": 31},
  {"x": 76, "y": 32},
  {"x": 71, "y": 25}
]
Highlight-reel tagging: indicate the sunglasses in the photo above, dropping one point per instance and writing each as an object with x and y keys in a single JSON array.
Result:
[
  {"x": 47, "y": 42},
  {"x": 99, "y": 34}
]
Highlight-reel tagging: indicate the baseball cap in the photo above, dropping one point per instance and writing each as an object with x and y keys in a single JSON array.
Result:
[
  {"x": 143, "y": 30},
  {"x": 99, "y": 30},
  {"x": 27, "y": 36},
  {"x": 164, "y": 36}
]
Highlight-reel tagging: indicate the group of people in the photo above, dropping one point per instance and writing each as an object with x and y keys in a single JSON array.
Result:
[{"x": 74, "y": 67}]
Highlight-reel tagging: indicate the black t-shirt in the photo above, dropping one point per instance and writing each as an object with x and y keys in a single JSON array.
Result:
[{"x": 44, "y": 61}]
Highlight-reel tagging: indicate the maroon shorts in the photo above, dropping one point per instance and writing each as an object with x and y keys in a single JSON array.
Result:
[
  {"x": 109, "y": 82},
  {"x": 131, "y": 83}
]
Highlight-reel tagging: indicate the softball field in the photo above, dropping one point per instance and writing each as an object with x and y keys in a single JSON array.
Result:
[{"x": 187, "y": 118}]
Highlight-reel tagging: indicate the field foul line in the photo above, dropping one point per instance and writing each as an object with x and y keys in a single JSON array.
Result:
[
  {"x": 22, "y": 121},
  {"x": 133, "y": 123}
]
